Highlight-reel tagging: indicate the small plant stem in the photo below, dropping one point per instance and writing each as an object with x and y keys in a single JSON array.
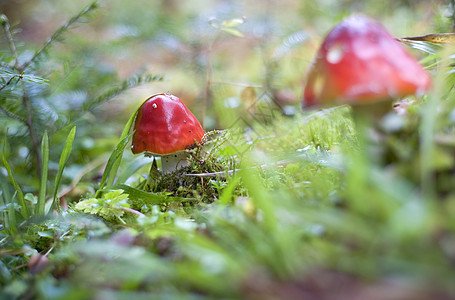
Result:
[
  {"x": 208, "y": 83},
  {"x": 31, "y": 130},
  {"x": 452, "y": 4},
  {"x": 208, "y": 78},
  {"x": 130, "y": 210}
]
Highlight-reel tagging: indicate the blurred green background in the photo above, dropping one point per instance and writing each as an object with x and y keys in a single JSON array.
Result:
[{"x": 173, "y": 38}]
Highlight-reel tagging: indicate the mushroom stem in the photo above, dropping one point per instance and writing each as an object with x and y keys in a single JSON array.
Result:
[
  {"x": 368, "y": 121},
  {"x": 372, "y": 112},
  {"x": 174, "y": 161}
]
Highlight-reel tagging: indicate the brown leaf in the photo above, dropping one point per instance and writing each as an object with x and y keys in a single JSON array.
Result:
[{"x": 437, "y": 38}]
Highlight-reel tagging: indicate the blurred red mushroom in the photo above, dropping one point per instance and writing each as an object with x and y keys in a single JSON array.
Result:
[
  {"x": 359, "y": 62},
  {"x": 165, "y": 127}
]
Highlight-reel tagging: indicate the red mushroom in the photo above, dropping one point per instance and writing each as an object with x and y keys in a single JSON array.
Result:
[
  {"x": 165, "y": 127},
  {"x": 359, "y": 62}
]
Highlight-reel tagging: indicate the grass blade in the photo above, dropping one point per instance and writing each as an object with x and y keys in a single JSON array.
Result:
[
  {"x": 113, "y": 163},
  {"x": 428, "y": 128},
  {"x": 126, "y": 130},
  {"x": 131, "y": 168},
  {"x": 228, "y": 192},
  {"x": 260, "y": 196},
  {"x": 9, "y": 216},
  {"x": 61, "y": 165},
  {"x": 116, "y": 156},
  {"x": 115, "y": 159},
  {"x": 20, "y": 196},
  {"x": 44, "y": 169}
]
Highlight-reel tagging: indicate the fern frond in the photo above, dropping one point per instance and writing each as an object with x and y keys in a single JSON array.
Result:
[
  {"x": 57, "y": 35},
  {"x": 127, "y": 84}
]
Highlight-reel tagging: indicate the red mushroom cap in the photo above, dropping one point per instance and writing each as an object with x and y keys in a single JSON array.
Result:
[
  {"x": 360, "y": 62},
  {"x": 164, "y": 125}
]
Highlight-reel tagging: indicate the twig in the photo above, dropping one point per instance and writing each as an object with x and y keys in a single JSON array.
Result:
[
  {"x": 12, "y": 115},
  {"x": 242, "y": 84},
  {"x": 213, "y": 174},
  {"x": 58, "y": 33},
  {"x": 50, "y": 249},
  {"x": 6, "y": 27},
  {"x": 9, "y": 81},
  {"x": 130, "y": 210}
]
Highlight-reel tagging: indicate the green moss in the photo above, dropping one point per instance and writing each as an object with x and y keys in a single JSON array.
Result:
[{"x": 196, "y": 180}]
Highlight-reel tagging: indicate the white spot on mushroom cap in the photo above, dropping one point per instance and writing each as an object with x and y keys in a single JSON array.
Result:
[
  {"x": 154, "y": 105},
  {"x": 335, "y": 54}
]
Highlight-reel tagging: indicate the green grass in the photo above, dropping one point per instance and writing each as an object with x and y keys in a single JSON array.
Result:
[{"x": 323, "y": 210}]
